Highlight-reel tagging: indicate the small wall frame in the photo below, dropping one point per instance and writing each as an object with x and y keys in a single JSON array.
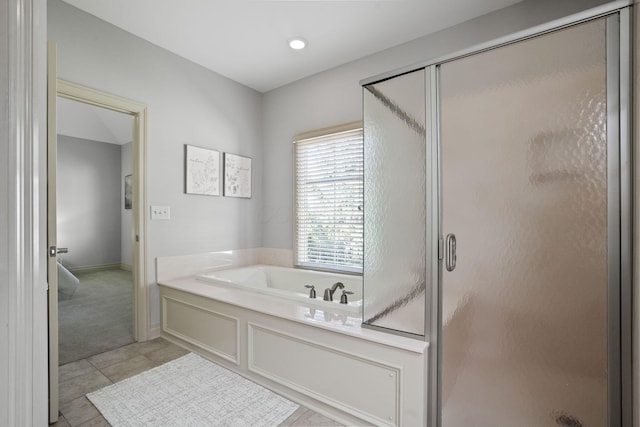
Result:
[
  {"x": 128, "y": 191},
  {"x": 201, "y": 170},
  {"x": 237, "y": 176}
]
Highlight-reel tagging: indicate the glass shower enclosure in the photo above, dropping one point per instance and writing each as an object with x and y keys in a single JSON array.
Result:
[
  {"x": 496, "y": 223},
  {"x": 525, "y": 309},
  {"x": 395, "y": 200}
]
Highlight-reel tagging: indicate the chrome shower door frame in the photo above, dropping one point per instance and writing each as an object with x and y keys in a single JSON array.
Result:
[
  {"x": 619, "y": 208},
  {"x": 619, "y": 120}
]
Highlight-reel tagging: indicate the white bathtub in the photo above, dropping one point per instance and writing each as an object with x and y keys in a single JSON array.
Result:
[{"x": 290, "y": 283}]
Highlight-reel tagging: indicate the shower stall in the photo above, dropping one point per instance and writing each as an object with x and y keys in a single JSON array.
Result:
[{"x": 497, "y": 224}]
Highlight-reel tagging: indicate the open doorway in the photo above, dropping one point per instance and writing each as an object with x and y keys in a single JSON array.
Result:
[
  {"x": 135, "y": 233},
  {"x": 94, "y": 228}
]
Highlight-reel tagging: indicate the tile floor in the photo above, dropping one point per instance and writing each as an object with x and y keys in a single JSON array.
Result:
[{"x": 90, "y": 374}]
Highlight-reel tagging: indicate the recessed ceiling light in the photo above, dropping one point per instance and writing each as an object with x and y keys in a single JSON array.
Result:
[{"x": 297, "y": 44}]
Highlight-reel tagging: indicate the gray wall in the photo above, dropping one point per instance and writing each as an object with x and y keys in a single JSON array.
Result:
[
  {"x": 89, "y": 203},
  {"x": 126, "y": 162},
  {"x": 187, "y": 104},
  {"x": 334, "y": 97}
]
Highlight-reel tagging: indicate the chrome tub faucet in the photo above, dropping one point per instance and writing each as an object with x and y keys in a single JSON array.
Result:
[{"x": 328, "y": 293}]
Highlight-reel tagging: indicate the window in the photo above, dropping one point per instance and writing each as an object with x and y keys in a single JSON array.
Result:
[{"x": 329, "y": 198}]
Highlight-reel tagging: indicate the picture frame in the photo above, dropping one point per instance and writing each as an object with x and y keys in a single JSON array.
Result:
[
  {"x": 202, "y": 171},
  {"x": 128, "y": 191},
  {"x": 237, "y": 176}
]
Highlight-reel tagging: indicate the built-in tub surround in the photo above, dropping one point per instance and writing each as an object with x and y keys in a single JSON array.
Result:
[
  {"x": 188, "y": 265},
  {"x": 294, "y": 284},
  {"x": 319, "y": 357},
  {"x": 173, "y": 267}
]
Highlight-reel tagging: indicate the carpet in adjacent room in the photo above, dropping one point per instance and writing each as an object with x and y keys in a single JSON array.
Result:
[{"x": 98, "y": 317}]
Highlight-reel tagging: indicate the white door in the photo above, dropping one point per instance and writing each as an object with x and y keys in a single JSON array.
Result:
[{"x": 51, "y": 232}]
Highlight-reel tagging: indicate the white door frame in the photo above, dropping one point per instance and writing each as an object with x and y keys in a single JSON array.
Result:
[
  {"x": 138, "y": 235},
  {"x": 138, "y": 110},
  {"x": 52, "y": 240}
]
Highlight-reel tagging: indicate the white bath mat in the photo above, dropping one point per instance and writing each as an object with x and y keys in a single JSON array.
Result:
[{"x": 190, "y": 391}]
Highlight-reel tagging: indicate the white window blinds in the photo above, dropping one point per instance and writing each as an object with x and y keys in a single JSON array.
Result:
[{"x": 329, "y": 199}]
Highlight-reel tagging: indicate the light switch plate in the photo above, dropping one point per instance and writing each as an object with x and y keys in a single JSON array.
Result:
[{"x": 160, "y": 212}]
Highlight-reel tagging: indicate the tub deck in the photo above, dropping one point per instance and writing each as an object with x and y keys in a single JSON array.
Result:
[
  {"x": 289, "y": 283},
  {"x": 336, "y": 321}
]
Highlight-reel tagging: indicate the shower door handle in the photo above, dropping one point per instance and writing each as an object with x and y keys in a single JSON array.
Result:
[{"x": 450, "y": 252}]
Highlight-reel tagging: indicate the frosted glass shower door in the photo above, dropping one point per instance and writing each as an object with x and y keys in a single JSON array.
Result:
[{"x": 524, "y": 191}]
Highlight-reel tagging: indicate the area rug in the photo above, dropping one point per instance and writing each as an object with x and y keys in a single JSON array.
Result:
[{"x": 190, "y": 391}]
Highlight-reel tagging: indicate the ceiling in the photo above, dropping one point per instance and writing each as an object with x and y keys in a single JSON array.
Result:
[{"x": 246, "y": 40}]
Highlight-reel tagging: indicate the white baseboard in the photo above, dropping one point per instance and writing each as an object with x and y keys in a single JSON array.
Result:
[
  {"x": 126, "y": 267},
  {"x": 94, "y": 268},
  {"x": 154, "y": 331}
]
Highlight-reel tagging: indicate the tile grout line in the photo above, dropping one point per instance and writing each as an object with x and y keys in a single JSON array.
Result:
[{"x": 293, "y": 421}]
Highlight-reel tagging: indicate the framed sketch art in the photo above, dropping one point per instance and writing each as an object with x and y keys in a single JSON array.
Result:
[
  {"x": 128, "y": 187},
  {"x": 237, "y": 176},
  {"x": 202, "y": 171}
]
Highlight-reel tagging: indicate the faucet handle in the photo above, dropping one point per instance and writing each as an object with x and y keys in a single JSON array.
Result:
[
  {"x": 343, "y": 297},
  {"x": 312, "y": 291}
]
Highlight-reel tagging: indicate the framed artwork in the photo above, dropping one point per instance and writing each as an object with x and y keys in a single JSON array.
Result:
[
  {"x": 128, "y": 191},
  {"x": 202, "y": 171},
  {"x": 237, "y": 176}
]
